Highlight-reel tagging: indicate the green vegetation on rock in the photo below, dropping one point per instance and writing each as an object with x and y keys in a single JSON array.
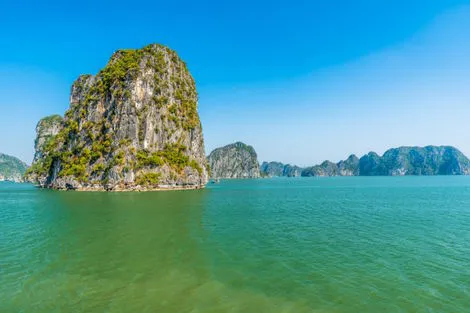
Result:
[
  {"x": 138, "y": 114},
  {"x": 236, "y": 160},
  {"x": 429, "y": 160},
  {"x": 11, "y": 168},
  {"x": 277, "y": 169},
  {"x": 148, "y": 179}
]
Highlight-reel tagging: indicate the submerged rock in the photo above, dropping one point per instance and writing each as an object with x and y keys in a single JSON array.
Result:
[
  {"x": 133, "y": 126},
  {"x": 236, "y": 160}
]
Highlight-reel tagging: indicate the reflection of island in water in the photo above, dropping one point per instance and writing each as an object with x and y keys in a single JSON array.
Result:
[{"x": 127, "y": 252}]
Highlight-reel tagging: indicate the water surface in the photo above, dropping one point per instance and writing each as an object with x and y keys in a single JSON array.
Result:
[{"x": 383, "y": 244}]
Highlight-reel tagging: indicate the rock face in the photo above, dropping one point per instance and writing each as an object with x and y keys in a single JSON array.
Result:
[
  {"x": 277, "y": 169},
  {"x": 133, "y": 126},
  {"x": 11, "y": 168},
  {"x": 292, "y": 171},
  {"x": 271, "y": 169},
  {"x": 327, "y": 168},
  {"x": 371, "y": 165},
  {"x": 236, "y": 160},
  {"x": 349, "y": 167},
  {"x": 430, "y": 160},
  {"x": 46, "y": 129}
]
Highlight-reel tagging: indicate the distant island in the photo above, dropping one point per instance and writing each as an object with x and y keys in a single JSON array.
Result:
[
  {"x": 278, "y": 169},
  {"x": 11, "y": 168},
  {"x": 133, "y": 126},
  {"x": 429, "y": 160},
  {"x": 238, "y": 160}
]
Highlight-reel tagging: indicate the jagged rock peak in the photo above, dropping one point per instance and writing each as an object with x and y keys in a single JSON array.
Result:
[
  {"x": 46, "y": 128},
  {"x": 236, "y": 160},
  {"x": 133, "y": 126}
]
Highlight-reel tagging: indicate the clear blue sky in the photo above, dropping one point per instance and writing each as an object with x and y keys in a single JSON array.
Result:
[{"x": 301, "y": 81}]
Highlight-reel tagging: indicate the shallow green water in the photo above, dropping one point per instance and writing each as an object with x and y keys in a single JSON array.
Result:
[{"x": 389, "y": 244}]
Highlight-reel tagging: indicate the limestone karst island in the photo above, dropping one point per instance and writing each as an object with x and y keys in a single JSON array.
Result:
[
  {"x": 132, "y": 126},
  {"x": 235, "y": 156},
  {"x": 135, "y": 126}
]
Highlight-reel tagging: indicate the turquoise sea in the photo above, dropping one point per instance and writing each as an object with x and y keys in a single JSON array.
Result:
[{"x": 361, "y": 244}]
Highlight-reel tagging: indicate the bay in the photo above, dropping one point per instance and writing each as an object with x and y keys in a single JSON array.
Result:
[{"x": 344, "y": 244}]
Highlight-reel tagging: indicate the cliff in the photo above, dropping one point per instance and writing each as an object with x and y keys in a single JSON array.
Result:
[
  {"x": 46, "y": 129},
  {"x": 327, "y": 168},
  {"x": 278, "y": 169},
  {"x": 11, "y": 168},
  {"x": 348, "y": 167},
  {"x": 236, "y": 160},
  {"x": 429, "y": 160},
  {"x": 133, "y": 126}
]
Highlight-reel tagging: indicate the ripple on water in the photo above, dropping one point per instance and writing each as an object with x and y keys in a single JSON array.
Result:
[{"x": 298, "y": 245}]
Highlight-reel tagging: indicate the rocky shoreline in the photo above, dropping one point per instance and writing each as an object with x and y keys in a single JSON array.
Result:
[{"x": 129, "y": 189}]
